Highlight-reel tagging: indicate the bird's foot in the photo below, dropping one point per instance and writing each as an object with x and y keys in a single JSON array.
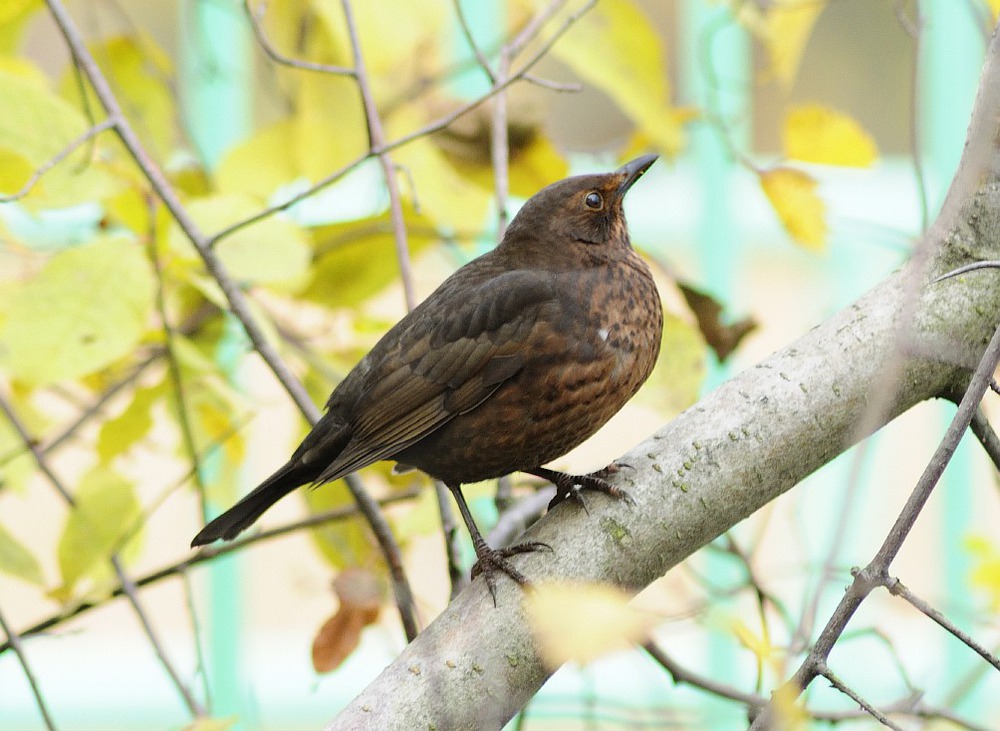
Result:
[
  {"x": 571, "y": 487},
  {"x": 492, "y": 561}
]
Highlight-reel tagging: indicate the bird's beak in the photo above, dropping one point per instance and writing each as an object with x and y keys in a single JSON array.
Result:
[{"x": 632, "y": 171}]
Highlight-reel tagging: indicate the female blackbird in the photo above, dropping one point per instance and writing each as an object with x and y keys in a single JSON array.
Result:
[{"x": 514, "y": 360}]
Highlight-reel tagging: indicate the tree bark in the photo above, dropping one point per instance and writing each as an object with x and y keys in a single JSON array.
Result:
[{"x": 905, "y": 341}]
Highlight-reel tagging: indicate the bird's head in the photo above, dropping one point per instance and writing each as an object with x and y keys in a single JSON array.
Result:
[{"x": 585, "y": 209}]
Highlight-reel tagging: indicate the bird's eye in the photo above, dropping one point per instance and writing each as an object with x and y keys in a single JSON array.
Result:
[{"x": 594, "y": 200}]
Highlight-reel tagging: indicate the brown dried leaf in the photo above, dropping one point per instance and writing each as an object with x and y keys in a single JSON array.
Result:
[
  {"x": 722, "y": 338},
  {"x": 360, "y": 593}
]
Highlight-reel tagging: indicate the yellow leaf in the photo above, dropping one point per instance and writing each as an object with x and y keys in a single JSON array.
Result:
[
  {"x": 17, "y": 66},
  {"x": 580, "y": 622},
  {"x": 985, "y": 573},
  {"x": 759, "y": 646},
  {"x": 434, "y": 185},
  {"x": 614, "y": 47},
  {"x": 792, "y": 716},
  {"x": 15, "y": 171},
  {"x": 994, "y": 8},
  {"x": 345, "y": 543},
  {"x": 124, "y": 430},
  {"x": 793, "y": 195},
  {"x": 258, "y": 165},
  {"x": 814, "y": 133},
  {"x": 140, "y": 72},
  {"x": 274, "y": 250},
  {"x": 86, "y": 308},
  {"x": 105, "y": 516},
  {"x": 357, "y": 259},
  {"x": 783, "y": 27},
  {"x": 211, "y": 724},
  {"x": 676, "y": 380},
  {"x": 39, "y": 125},
  {"x": 14, "y": 17},
  {"x": 17, "y": 560}
]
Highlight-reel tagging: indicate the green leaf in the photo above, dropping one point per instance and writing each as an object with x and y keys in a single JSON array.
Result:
[
  {"x": 107, "y": 511},
  {"x": 358, "y": 259},
  {"x": 38, "y": 125},
  {"x": 17, "y": 560},
  {"x": 270, "y": 251},
  {"x": 675, "y": 382},
  {"x": 120, "y": 433},
  {"x": 86, "y": 308}
]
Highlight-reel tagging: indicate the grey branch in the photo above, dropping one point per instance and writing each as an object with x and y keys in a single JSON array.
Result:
[{"x": 739, "y": 448}]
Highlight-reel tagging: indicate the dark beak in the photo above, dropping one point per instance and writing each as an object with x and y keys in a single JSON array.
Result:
[{"x": 632, "y": 171}]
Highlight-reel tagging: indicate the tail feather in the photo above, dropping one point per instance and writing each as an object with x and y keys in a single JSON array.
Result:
[
  {"x": 318, "y": 450},
  {"x": 245, "y": 513}
]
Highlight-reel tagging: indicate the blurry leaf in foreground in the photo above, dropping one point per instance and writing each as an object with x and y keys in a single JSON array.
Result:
[
  {"x": 676, "y": 380},
  {"x": 793, "y": 196},
  {"x": 361, "y": 594},
  {"x": 814, "y": 133},
  {"x": 107, "y": 511},
  {"x": 985, "y": 574},
  {"x": 16, "y": 560},
  {"x": 357, "y": 259},
  {"x": 616, "y": 48},
  {"x": 38, "y": 125},
  {"x": 211, "y": 724},
  {"x": 273, "y": 250},
  {"x": 85, "y": 309},
  {"x": 722, "y": 338},
  {"x": 580, "y": 622},
  {"x": 783, "y": 27}
]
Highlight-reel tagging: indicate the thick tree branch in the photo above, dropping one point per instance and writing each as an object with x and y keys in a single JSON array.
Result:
[{"x": 746, "y": 443}]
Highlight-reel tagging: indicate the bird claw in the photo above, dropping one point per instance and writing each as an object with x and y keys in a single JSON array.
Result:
[
  {"x": 493, "y": 561},
  {"x": 571, "y": 487}
]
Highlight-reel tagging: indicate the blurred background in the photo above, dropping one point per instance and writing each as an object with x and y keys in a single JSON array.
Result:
[{"x": 237, "y": 132}]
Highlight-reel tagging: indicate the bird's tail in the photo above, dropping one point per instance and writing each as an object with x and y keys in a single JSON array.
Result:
[{"x": 245, "y": 513}]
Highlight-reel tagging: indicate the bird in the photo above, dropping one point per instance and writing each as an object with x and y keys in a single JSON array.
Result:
[{"x": 514, "y": 360}]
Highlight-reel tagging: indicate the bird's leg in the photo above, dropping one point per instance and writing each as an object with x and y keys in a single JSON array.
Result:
[
  {"x": 571, "y": 486},
  {"x": 491, "y": 560}
]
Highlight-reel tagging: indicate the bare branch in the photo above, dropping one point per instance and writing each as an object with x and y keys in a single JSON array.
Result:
[
  {"x": 234, "y": 295},
  {"x": 430, "y": 128},
  {"x": 896, "y": 587},
  {"x": 853, "y": 695},
  {"x": 256, "y": 18},
  {"x": 208, "y": 553},
  {"x": 14, "y": 642},
  {"x": 189, "y": 700},
  {"x": 55, "y": 160}
]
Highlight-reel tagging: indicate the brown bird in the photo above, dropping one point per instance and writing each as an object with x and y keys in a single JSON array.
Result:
[{"x": 515, "y": 359}]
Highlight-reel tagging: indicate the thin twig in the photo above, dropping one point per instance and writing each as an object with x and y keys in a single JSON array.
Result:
[
  {"x": 895, "y": 586},
  {"x": 173, "y": 365},
  {"x": 850, "y": 693},
  {"x": 463, "y": 23},
  {"x": 499, "y": 147},
  {"x": 56, "y": 159},
  {"x": 376, "y": 139},
  {"x": 427, "y": 129},
  {"x": 14, "y": 642},
  {"x": 207, "y": 553},
  {"x": 189, "y": 700},
  {"x": 256, "y": 23},
  {"x": 238, "y": 303},
  {"x": 987, "y": 437},
  {"x": 876, "y": 572}
]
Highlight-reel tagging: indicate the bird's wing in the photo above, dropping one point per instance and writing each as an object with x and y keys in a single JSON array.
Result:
[{"x": 448, "y": 361}]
